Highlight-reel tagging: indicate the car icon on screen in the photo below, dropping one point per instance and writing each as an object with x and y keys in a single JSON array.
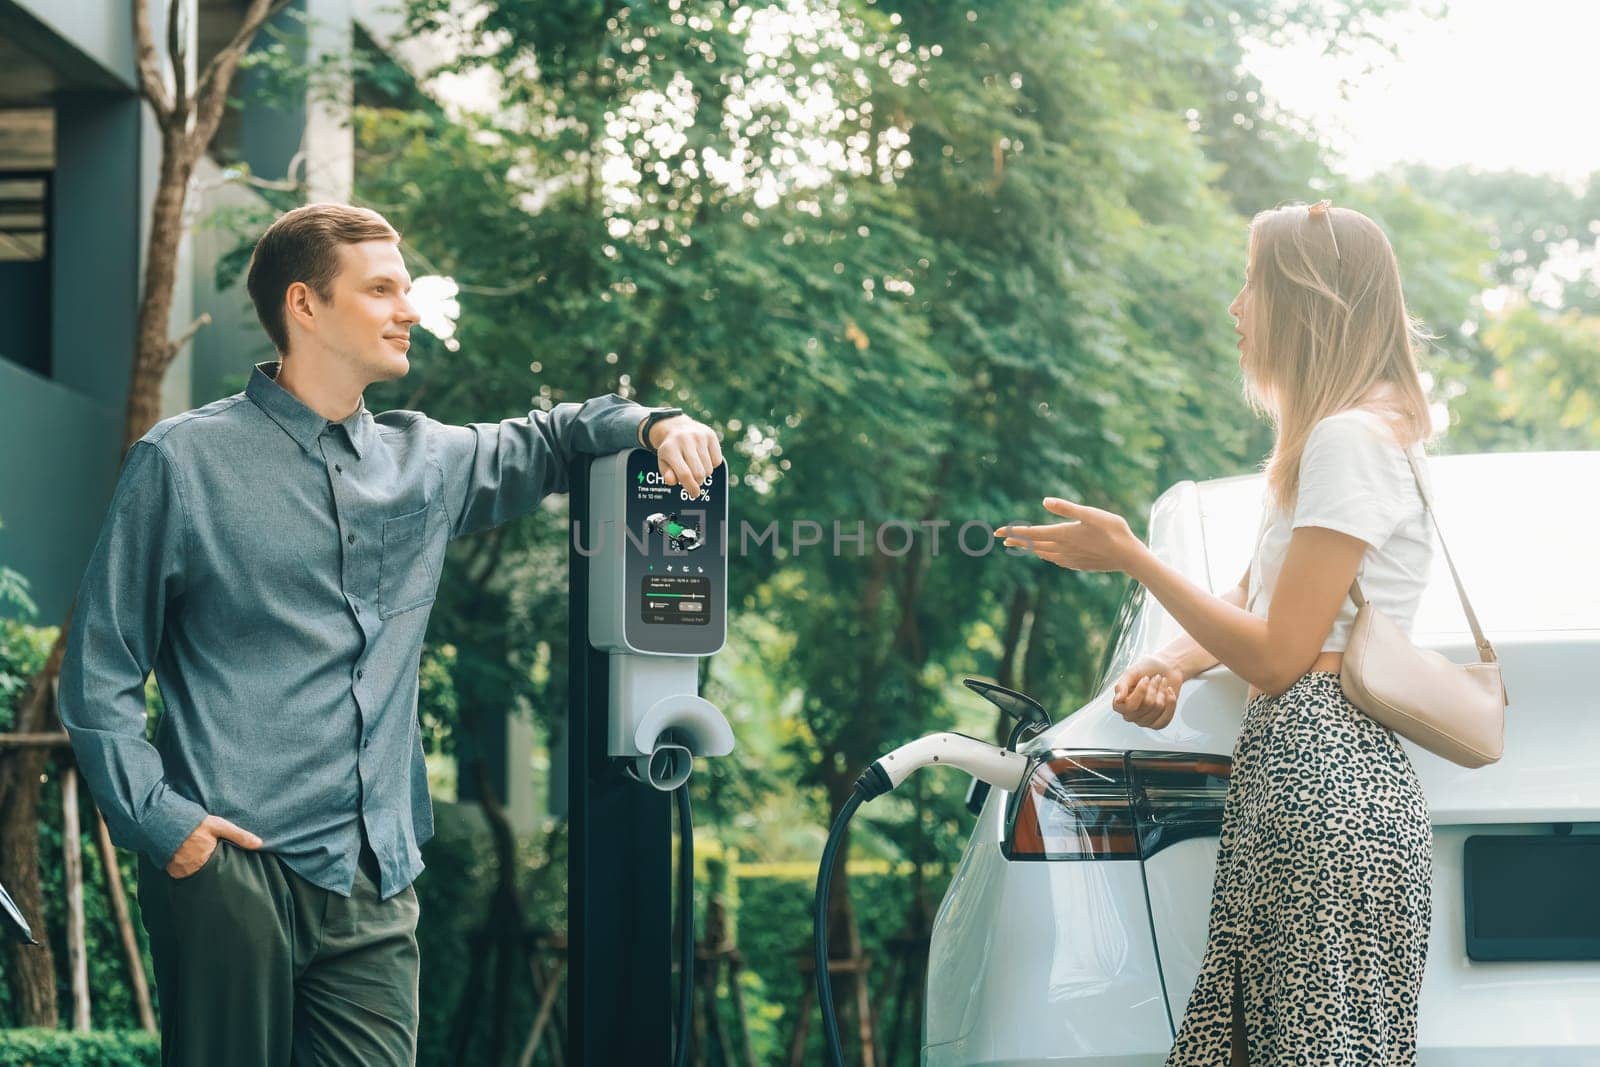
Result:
[{"x": 681, "y": 536}]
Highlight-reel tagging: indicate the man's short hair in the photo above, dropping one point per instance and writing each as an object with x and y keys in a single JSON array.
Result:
[{"x": 303, "y": 246}]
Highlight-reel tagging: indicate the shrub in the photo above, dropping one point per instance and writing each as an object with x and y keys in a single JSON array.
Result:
[
  {"x": 773, "y": 944},
  {"x": 62, "y": 1048}
]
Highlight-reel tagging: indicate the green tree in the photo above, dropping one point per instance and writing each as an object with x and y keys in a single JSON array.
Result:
[
  {"x": 920, "y": 262},
  {"x": 1517, "y": 368},
  {"x": 1544, "y": 390}
]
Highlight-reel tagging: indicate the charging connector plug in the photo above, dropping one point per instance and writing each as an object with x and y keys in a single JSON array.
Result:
[{"x": 999, "y": 767}]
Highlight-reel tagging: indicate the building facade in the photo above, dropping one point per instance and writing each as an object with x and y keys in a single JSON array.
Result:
[{"x": 78, "y": 161}]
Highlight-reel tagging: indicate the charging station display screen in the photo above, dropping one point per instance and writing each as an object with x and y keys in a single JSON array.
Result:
[
  {"x": 676, "y": 600},
  {"x": 675, "y": 574}
]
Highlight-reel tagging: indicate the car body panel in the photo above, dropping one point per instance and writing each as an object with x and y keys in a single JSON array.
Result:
[{"x": 1077, "y": 939}]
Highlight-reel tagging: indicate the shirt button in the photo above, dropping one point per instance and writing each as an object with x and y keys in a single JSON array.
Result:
[
  {"x": 360, "y": 675},
  {"x": 339, "y": 468},
  {"x": 350, "y": 539}
]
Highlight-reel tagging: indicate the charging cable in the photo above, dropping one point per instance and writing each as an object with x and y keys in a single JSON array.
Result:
[{"x": 997, "y": 766}]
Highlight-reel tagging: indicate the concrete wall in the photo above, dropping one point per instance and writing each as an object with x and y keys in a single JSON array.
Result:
[
  {"x": 60, "y": 436},
  {"x": 95, "y": 239},
  {"x": 100, "y": 31},
  {"x": 58, "y": 463}
]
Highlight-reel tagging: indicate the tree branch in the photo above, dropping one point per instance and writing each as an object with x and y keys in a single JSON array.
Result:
[
  {"x": 47, "y": 739},
  {"x": 177, "y": 54},
  {"x": 188, "y": 334},
  {"x": 151, "y": 84}
]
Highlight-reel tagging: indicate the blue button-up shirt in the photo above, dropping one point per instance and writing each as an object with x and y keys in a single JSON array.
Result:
[{"x": 276, "y": 570}]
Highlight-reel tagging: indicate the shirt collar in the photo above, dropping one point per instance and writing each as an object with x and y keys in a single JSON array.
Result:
[{"x": 299, "y": 421}]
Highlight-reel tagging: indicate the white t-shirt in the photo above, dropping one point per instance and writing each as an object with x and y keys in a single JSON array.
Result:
[{"x": 1354, "y": 478}]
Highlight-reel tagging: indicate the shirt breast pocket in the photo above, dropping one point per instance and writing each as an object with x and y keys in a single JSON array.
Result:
[{"x": 406, "y": 578}]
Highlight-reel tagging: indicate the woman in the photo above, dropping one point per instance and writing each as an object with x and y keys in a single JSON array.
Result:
[{"x": 1321, "y": 904}]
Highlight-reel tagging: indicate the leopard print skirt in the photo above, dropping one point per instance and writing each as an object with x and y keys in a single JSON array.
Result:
[{"x": 1322, "y": 896}]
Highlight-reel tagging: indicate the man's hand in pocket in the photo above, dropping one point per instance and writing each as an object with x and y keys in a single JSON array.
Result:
[{"x": 198, "y": 846}]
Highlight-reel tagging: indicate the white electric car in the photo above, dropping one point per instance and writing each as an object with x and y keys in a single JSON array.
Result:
[{"x": 1073, "y": 930}]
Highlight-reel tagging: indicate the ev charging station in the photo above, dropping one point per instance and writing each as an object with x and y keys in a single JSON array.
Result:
[{"x": 647, "y": 601}]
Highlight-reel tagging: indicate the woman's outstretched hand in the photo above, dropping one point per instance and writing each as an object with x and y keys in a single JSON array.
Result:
[
  {"x": 1094, "y": 540},
  {"x": 1147, "y": 693}
]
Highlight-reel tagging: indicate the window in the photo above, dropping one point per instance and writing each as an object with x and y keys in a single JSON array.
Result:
[
  {"x": 25, "y": 268},
  {"x": 27, "y": 178},
  {"x": 24, "y": 211}
]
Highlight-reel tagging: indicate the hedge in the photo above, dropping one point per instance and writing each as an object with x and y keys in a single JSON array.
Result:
[{"x": 62, "y": 1048}]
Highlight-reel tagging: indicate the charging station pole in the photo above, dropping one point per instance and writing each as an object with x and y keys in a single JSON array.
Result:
[
  {"x": 642, "y": 612},
  {"x": 619, "y": 857}
]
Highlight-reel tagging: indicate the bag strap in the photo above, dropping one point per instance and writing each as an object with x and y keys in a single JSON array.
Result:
[{"x": 1485, "y": 649}]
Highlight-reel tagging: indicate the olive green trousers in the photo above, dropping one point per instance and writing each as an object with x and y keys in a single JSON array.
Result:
[{"x": 256, "y": 966}]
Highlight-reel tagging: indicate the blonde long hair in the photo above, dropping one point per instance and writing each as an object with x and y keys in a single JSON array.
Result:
[{"x": 1328, "y": 330}]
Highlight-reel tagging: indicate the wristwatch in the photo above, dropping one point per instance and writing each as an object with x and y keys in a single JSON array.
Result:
[{"x": 650, "y": 421}]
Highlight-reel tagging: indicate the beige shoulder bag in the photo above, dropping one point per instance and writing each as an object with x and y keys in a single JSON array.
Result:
[{"x": 1454, "y": 710}]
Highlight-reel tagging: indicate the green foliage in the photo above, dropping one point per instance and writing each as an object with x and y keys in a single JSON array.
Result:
[
  {"x": 1517, "y": 365},
  {"x": 769, "y": 912},
  {"x": 245, "y": 223},
  {"x": 62, "y": 1048},
  {"x": 1529, "y": 220},
  {"x": 773, "y": 945},
  {"x": 14, "y": 591},
  {"x": 110, "y": 990},
  {"x": 438, "y": 706},
  {"x": 23, "y": 650},
  {"x": 940, "y": 267},
  {"x": 1546, "y": 381},
  {"x": 453, "y": 895}
]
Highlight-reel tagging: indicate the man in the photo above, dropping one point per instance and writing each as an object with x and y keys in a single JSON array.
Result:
[{"x": 273, "y": 556}]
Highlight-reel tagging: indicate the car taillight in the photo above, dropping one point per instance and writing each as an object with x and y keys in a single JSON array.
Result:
[{"x": 1083, "y": 805}]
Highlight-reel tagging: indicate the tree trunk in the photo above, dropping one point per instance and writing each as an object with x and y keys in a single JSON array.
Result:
[
  {"x": 31, "y": 969},
  {"x": 1010, "y": 641},
  {"x": 156, "y": 349},
  {"x": 72, "y": 875},
  {"x": 119, "y": 911},
  {"x": 505, "y": 910}
]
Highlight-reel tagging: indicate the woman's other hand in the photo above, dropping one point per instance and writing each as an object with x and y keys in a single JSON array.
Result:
[
  {"x": 1094, "y": 540},
  {"x": 1147, "y": 693}
]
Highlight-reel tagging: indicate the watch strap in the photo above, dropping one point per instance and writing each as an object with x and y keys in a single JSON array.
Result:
[{"x": 650, "y": 421}]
